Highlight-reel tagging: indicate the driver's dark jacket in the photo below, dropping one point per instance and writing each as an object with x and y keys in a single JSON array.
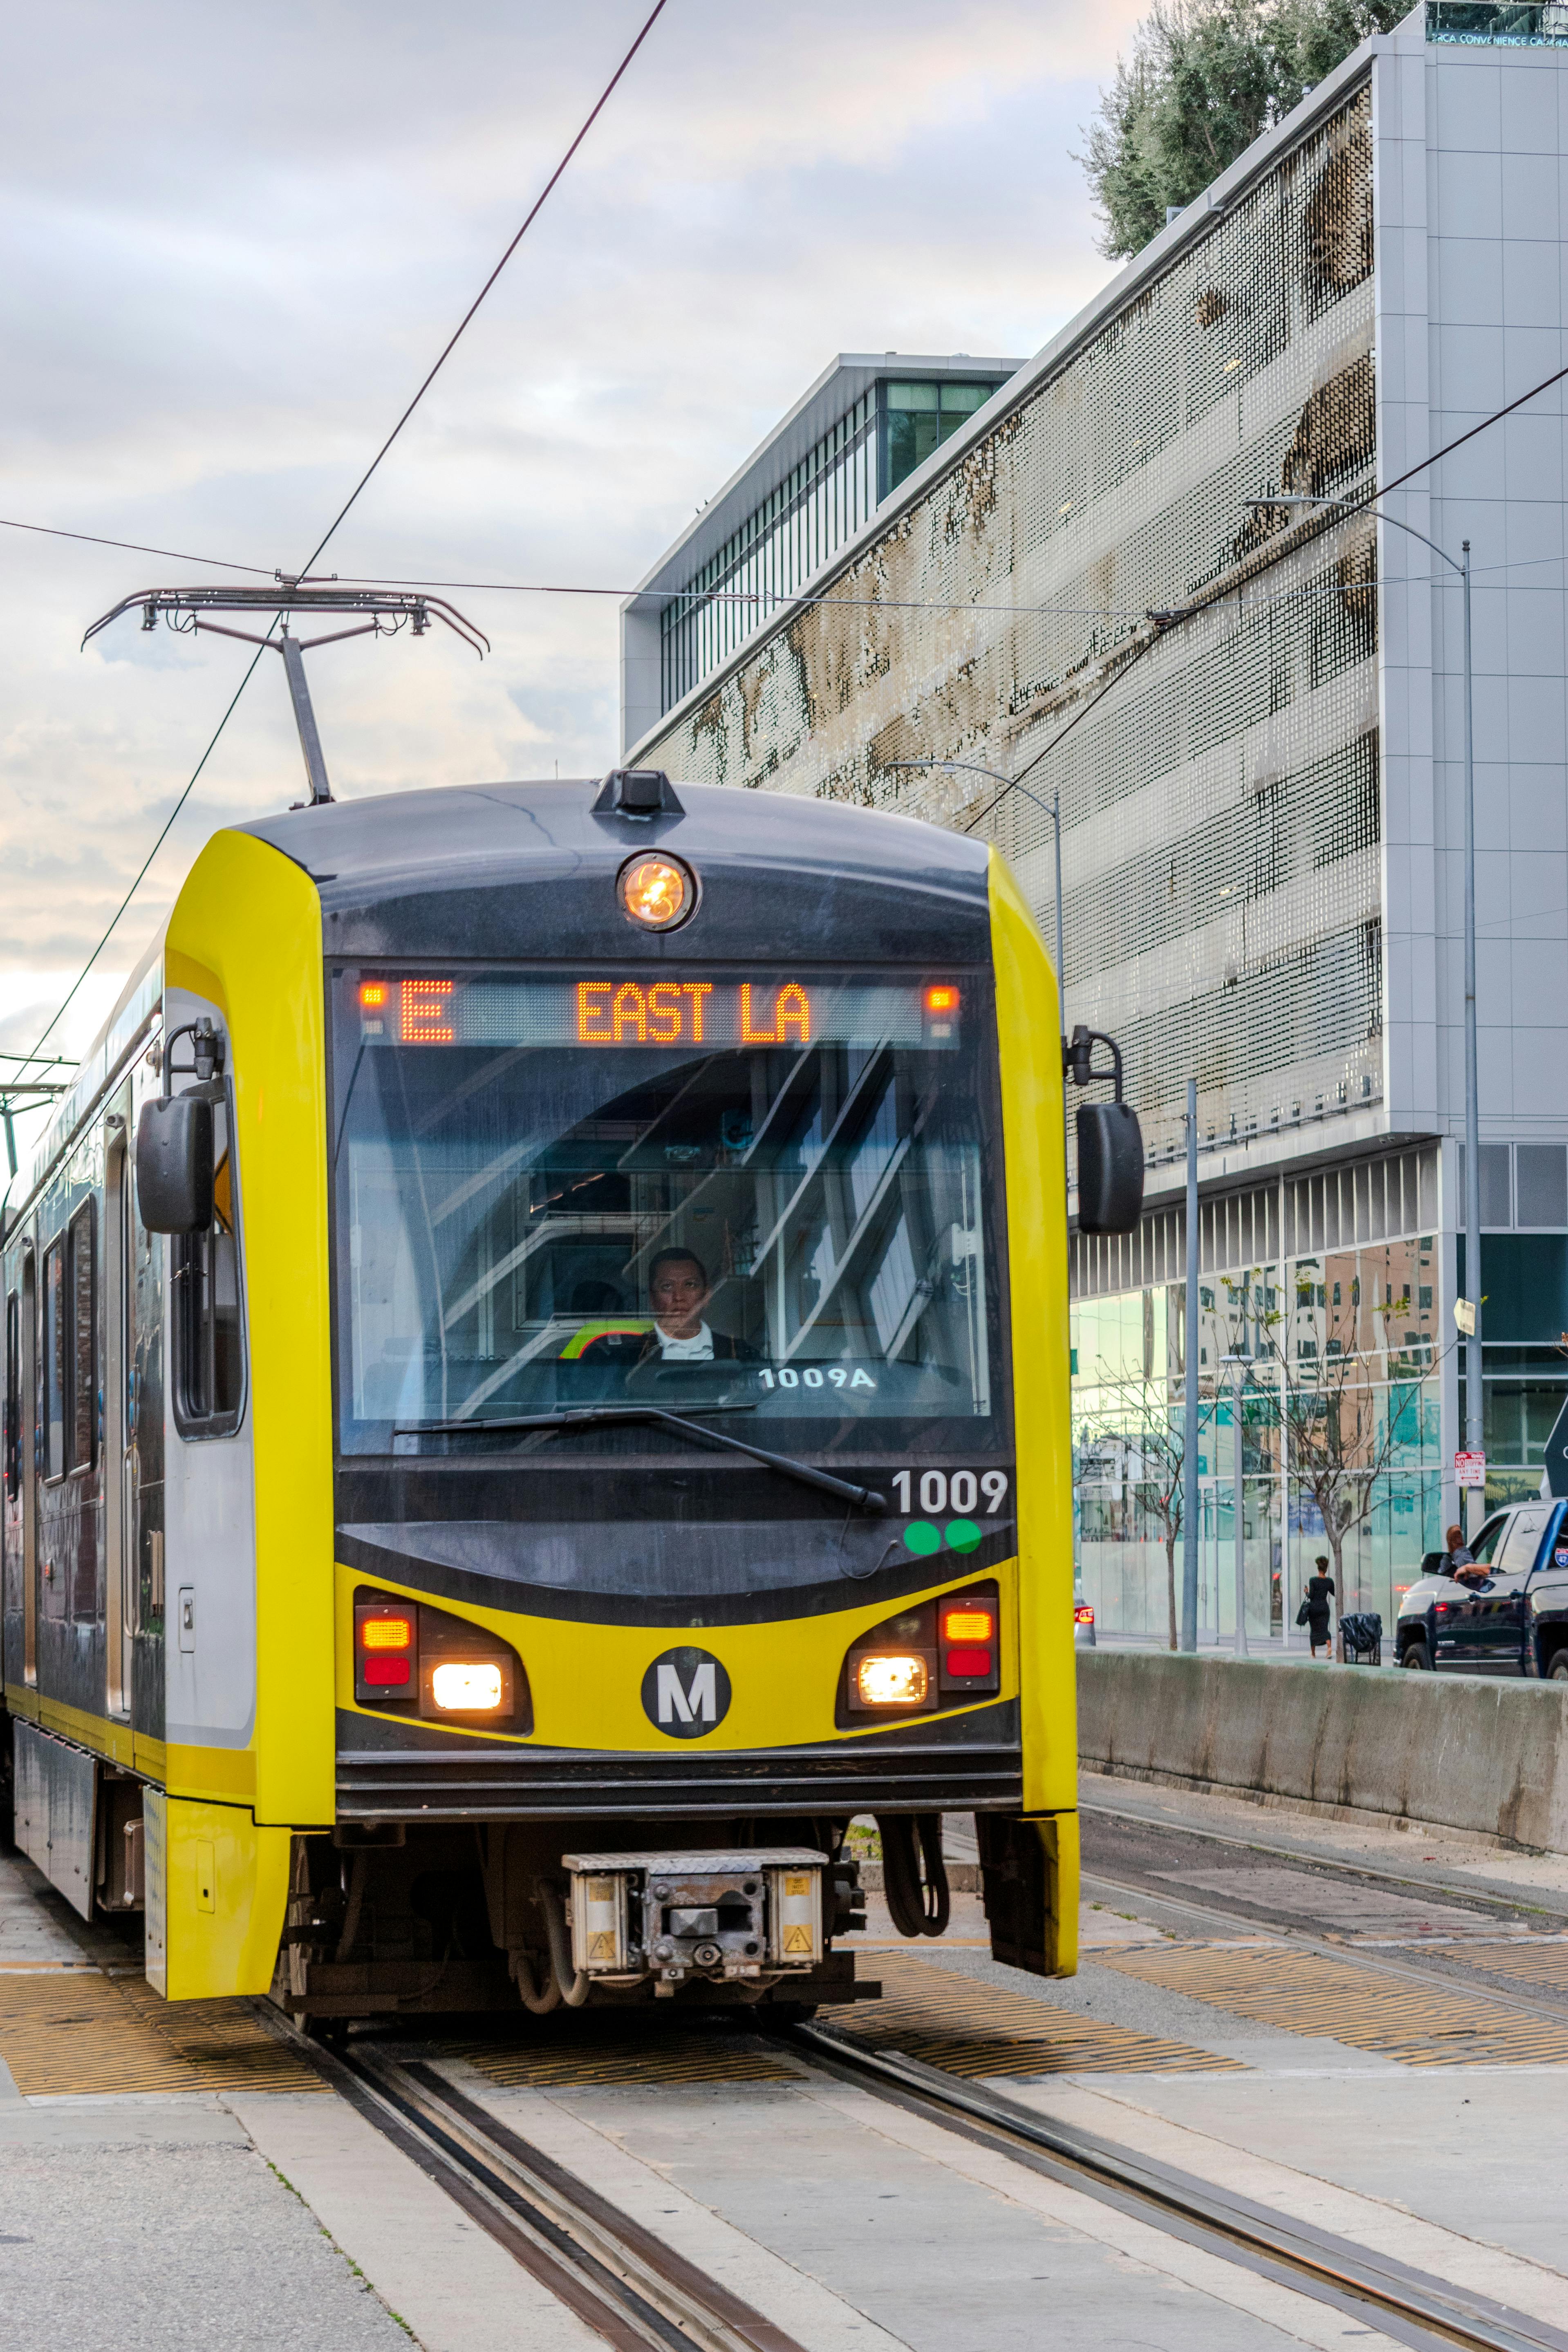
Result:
[{"x": 725, "y": 1350}]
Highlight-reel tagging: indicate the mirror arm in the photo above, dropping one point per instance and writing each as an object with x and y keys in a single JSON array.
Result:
[
  {"x": 206, "y": 1053},
  {"x": 1078, "y": 1059}
]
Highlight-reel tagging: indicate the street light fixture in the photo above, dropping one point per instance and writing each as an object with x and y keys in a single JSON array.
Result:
[
  {"x": 1474, "y": 1420},
  {"x": 1053, "y": 810}
]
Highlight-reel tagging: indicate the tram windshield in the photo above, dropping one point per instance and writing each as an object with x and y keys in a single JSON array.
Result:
[{"x": 696, "y": 1190}]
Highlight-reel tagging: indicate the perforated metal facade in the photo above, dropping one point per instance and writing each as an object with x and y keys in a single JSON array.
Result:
[{"x": 1221, "y": 804}]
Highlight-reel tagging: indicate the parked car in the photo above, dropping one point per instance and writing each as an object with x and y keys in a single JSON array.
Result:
[
  {"x": 1082, "y": 1624},
  {"x": 1510, "y": 1616}
]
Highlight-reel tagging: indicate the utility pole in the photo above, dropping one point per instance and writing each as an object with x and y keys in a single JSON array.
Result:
[
  {"x": 1190, "y": 1456},
  {"x": 1475, "y": 1420},
  {"x": 1475, "y": 1413},
  {"x": 1238, "y": 1373}
]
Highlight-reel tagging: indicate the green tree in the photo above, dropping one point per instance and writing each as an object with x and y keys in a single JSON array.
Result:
[{"x": 1204, "y": 78}]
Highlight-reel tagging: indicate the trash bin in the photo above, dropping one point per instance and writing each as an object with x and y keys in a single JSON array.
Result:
[{"x": 1361, "y": 1639}]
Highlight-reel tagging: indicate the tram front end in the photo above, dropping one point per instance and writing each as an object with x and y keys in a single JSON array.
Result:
[{"x": 695, "y": 1476}]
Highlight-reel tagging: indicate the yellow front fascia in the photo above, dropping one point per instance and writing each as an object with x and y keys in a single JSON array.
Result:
[
  {"x": 784, "y": 1678},
  {"x": 1028, "y": 1036},
  {"x": 245, "y": 933},
  {"x": 217, "y": 1892}
]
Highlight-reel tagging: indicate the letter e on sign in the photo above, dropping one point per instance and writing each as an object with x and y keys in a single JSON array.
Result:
[{"x": 686, "y": 1692}]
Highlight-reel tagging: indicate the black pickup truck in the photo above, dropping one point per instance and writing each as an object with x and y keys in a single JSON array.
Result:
[{"x": 1512, "y": 1618}]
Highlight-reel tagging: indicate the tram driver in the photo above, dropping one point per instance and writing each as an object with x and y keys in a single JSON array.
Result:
[{"x": 678, "y": 1290}]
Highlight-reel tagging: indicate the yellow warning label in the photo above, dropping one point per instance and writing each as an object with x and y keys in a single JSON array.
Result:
[
  {"x": 797, "y": 1887},
  {"x": 601, "y": 1947},
  {"x": 798, "y": 1939}
]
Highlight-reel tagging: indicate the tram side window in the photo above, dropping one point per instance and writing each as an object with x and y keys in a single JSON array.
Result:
[
  {"x": 208, "y": 1354},
  {"x": 55, "y": 1360},
  {"x": 83, "y": 1382},
  {"x": 13, "y": 1395}
]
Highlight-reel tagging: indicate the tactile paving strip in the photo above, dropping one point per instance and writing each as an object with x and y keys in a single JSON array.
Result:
[
  {"x": 639, "y": 2048},
  {"x": 1303, "y": 1993},
  {"x": 973, "y": 2028},
  {"x": 84, "y": 2033},
  {"x": 1535, "y": 1961}
]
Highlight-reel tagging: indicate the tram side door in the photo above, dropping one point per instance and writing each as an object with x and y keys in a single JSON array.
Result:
[
  {"x": 118, "y": 1430},
  {"x": 29, "y": 1337}
]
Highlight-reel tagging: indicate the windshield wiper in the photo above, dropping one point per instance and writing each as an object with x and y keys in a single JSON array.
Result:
[{"x": 602, "y": 1415}]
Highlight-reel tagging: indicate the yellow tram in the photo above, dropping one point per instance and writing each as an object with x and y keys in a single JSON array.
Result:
[{"x": 536, "y": 1389}]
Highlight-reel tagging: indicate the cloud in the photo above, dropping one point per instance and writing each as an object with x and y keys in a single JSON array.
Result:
[{"x": 231, "y": 244}]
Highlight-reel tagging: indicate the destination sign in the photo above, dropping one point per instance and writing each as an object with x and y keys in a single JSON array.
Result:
[{"x": 616, "y": 1010}]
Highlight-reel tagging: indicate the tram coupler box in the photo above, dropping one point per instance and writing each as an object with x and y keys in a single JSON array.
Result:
[{"x": 671, "y": 1916}]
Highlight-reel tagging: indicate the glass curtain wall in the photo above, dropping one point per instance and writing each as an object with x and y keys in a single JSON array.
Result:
[
  {"x": 819, "y": 504},
  {"x": 917, "y": 418},
  {"x": 837, "y": 485},
  {"x": 1334, "y": 1362}
]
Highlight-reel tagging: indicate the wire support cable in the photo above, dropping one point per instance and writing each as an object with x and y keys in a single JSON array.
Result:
[
  {"x": 450, "y": 345},
  {"x": 464, "y": 322}
]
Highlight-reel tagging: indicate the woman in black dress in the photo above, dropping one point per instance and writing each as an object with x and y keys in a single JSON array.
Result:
[{"x": 1320, "y": 1593}]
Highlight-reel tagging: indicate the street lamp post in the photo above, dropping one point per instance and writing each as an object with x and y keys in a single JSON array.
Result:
[
  {"x": 1474, "y": 1415},
  {"x": 1239, "y": 1521},
  {"x": 1053, "y": 810}
]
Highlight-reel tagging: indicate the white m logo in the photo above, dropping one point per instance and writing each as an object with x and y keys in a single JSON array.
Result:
[{"x": 698, "y": 1703}]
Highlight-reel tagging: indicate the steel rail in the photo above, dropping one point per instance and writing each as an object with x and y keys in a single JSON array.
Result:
[
  {"x": 1307, "y": 1859},
  {"x": 1448, "y": 1967},
  {"x": 1409, "y": 2305},
  {"x": 618, "y": 2277}
]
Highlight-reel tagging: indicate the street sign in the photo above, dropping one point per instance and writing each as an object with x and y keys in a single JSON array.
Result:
[
  {"x": 1470, "y": 1469},
  {"x": 1465, "y": 1316}
]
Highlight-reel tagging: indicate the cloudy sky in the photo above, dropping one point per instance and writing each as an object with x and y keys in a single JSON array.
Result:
[{"x": 233, "y": 241}]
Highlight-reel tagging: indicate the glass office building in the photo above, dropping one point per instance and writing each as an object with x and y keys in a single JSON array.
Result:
[
  {"x": 1253, "y": 716},
  {"x": 863, "y": 428}
]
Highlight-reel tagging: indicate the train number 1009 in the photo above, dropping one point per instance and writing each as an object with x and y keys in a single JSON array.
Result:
[{"x": 952, "y": 1490}]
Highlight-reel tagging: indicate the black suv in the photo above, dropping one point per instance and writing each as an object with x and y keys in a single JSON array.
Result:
[{"x": 1513, "y": 1619}]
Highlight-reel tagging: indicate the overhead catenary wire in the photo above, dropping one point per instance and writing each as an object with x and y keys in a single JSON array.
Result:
[
  {"x": 1168, "y": 621},
  {"x": 450, "y": 345},
  {"x": 458, "y": 332},
  {"x": 132, "y": 546}
]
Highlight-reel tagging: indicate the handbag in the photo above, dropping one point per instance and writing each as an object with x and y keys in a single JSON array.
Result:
[{"x": 1302, "y": 1614}]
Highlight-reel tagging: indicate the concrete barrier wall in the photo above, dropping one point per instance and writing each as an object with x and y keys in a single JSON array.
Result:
[{"x": 1459, "y": 1752}]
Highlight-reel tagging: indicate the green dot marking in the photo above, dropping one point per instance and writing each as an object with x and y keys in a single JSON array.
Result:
[
  {"x": 923, "y": 1538},
  {"x": 963, "y": 1535}
]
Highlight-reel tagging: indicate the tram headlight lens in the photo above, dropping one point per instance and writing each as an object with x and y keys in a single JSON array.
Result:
[
  {"x": 468, "y": 1689},
  {"x": 891, "y": 1682}
]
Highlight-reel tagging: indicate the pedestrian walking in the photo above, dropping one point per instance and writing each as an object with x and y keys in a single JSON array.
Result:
[{"x": 1315, "y": 1605}]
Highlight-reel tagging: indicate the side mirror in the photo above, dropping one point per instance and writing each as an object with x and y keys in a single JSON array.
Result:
[
  {"x": 174, "y": 1165},
  {"x": 1109, "y": 1168}
]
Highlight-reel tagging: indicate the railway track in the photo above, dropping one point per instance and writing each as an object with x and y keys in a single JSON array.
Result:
[
  {"x": 619, "y": 2279},
  {"x": 1484, "y": 1901},
  {"x": 1367, "y": 2286},
  {"x": 636, "y": 2291}
]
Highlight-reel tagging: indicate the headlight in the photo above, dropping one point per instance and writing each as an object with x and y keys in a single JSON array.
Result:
[
  {"x": 467, "y": 1689},
  {"x": 892, "y": 1681}
]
